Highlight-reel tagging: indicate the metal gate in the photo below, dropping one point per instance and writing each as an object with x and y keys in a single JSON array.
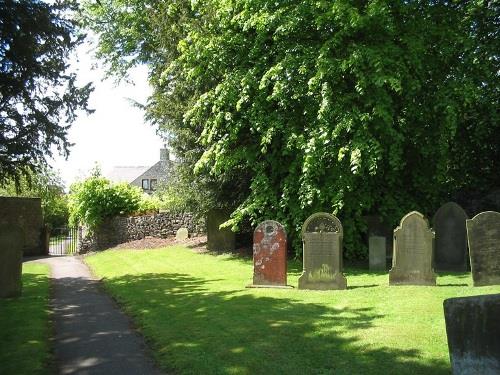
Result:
[{"x": 63, "y": 241}]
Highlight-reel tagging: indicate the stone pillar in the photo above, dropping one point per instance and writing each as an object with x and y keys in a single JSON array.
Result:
[{"x": 11, "y": 260}]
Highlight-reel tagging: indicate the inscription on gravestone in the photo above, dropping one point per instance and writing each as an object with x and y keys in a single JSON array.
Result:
[
  {"x": 269, "y": 255},
  {"x": 473, "y": 330},
  {"x": 322, "y": 253},
  {"x": 413, "y": 247},
  {"x": 483, "y": 232},
  {"x": 450, "y": 253},
  {"x": 11, "y": 258}
]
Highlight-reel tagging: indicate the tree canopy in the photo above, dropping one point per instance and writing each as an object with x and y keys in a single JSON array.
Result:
[
  {"x": 291, "y": 107},
  {"x": 39, "y": 98}
]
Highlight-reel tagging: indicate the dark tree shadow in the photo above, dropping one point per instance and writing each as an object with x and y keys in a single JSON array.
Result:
[{"x": 234, "y": 331}]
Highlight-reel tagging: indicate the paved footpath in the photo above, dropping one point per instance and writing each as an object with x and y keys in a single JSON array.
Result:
[{"x": 92, "y": 336}]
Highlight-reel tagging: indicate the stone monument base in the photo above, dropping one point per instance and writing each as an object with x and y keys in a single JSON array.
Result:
[
  {"x": 337, "y": 282},
  {"x": 270, "y": 286},
  {"x": 399, "y": 277}
]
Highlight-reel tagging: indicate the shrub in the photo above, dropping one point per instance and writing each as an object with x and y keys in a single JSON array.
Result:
[{"x": 97, "y": 198}]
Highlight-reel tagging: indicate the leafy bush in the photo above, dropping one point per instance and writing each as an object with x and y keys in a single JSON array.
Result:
[{"x": 97, "y": 198}]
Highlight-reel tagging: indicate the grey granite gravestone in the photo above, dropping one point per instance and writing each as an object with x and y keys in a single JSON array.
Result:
[
  {"x": 322, "y": 243},
  {"x": 413, "y": 247},
  {"x": 11, "y": 260},
  {"x": 377, "y": 253},
  {"x": 182, "y": 234},
  {"x": 450, "y": 245},
  {"x": 483, "y": 233},
  {"x": 219, "y": 239},
  {"x": 473, "y": 330}
]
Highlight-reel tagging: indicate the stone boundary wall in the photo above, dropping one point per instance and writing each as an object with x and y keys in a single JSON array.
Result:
[
  {"x": 120, "y": 229},
  {"x": 25, "y": 214}
]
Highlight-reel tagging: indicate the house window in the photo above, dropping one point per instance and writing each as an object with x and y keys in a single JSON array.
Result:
[
  {"x": 145, "y": 184},
  {"x": 153, "y": 184}
]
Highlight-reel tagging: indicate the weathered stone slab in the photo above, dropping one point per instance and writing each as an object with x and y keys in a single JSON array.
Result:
[
  {"x": 450, "y": 252},
  {"x": 473, "y": 330},
  {"x": 219, "y": 239},
  {"x": 483, "y": 232},
  {"x": 413, "y": 248},
  {"x": 322, "y": 235},
  {"x": 182, "y": 234},
  {"x": 11, "y": 260},
  {"x": 377, "y": 253},
  {"x": 376, "y": 227},
  {"x": 269, "y": 255}
]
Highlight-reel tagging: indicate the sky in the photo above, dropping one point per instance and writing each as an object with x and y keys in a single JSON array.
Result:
[{"x": 116, "y": 134}]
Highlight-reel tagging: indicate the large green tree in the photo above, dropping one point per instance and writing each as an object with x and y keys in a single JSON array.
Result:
[
  {"x": 352, "y": 107},
  {"x": 39, "y": 97}
]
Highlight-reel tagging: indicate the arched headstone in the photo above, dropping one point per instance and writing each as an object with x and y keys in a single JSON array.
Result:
[
  {"x": 269, "y": 255},
  {"x": 413, "y": 247},
  {"x": 182, "y": 234},
  {"x": 483, "y": 233},
  {"x": 322, "y": 243},
  {"x": 450, "y": 252}
]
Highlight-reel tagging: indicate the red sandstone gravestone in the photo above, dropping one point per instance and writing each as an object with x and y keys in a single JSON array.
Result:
[{"x": 269, "y": 255}]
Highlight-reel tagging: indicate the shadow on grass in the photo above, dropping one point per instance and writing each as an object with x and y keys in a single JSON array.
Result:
[
  {"x": 24, "y": 327},
  {"x": 196, "y": 328}
]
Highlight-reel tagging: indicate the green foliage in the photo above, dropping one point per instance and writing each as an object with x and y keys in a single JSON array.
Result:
[
  {"x": 45, "y": 184},
  {"x": 97, "y": 198},
  {"x": 285, "y": 108},
  {"x": 39, "y": 97},
  {"x": 149, "y": 204}
]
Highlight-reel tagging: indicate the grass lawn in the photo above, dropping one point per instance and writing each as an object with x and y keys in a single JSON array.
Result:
[
  {"x": 199, "y": 318},
  {"x": 24, "y": 325}
]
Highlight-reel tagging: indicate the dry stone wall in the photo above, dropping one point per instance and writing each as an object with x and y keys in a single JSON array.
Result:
[{"x": 114, "y": 231}]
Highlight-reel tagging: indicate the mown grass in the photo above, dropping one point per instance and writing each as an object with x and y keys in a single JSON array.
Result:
[
  {"x": 24, "y": 325},
  {"x": 200, "y": 319}
]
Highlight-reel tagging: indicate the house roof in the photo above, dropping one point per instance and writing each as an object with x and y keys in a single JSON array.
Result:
[{"x": 125, "y": 174}]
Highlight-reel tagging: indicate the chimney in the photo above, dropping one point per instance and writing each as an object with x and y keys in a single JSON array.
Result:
[{"x": 164, "y": 154}]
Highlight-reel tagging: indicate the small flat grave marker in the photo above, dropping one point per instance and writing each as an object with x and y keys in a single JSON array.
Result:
[
  {"x": 412, "y": 258},
  {"x": 451, "y": 238},
  {"x": 322, "y": 240},
  {"x": 182, "y": 234},
  {"x": 269, "y": 255},
  {"x": 483, "y": 232}
]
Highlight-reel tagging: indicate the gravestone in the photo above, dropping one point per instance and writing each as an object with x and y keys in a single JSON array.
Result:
[
  {"x": 11, "y": 260},
  {"x": 219, "y": 239},
  {"x": 376, "y": 227},
  {"x": 322, "y": 243},
  {"x": 483, "y": 233},
  {"x": 473, "y": 330},
  {"x": 377, "y": 253},
  {"x": 450, "y": 245},
  {"x": 269, "y": 255},
  {"x": 182, "y": 234},
  {"x": 413, "y": 247}
]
